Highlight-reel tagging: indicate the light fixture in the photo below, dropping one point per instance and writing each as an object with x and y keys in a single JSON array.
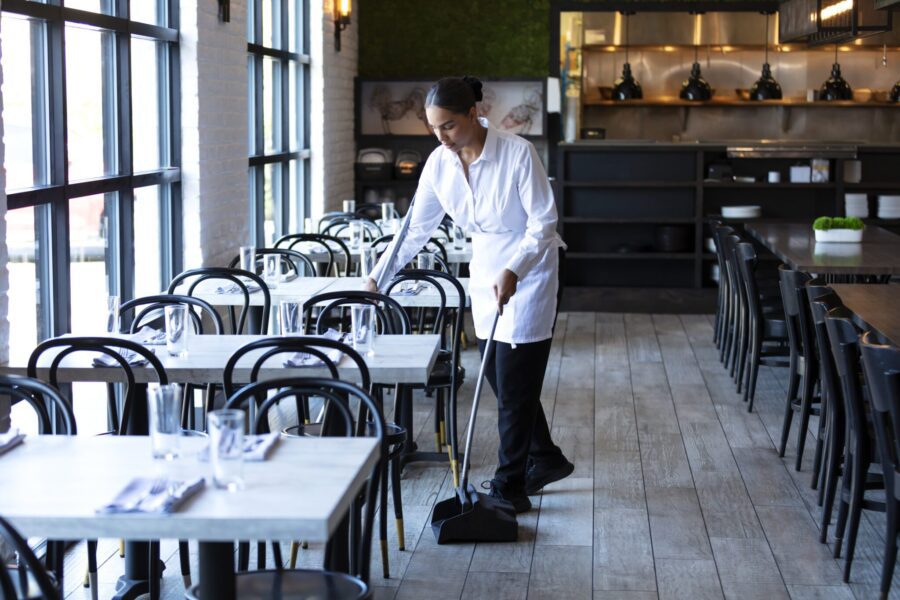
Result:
[
  {"x": 342, "y": 11},
  {"x": 836, "y": 87},
  {"x": 766, "y": 88},
  {"x": 695, "y": 87},
  {"x": 627, "y": 87},
  {"x": 895, "y": 93}
]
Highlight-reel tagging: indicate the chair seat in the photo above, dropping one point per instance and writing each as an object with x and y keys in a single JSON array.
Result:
[
  {"x": 299, "y": 584},
  {"x": 33, "y": 589},
  {"x": 393, "y": 433},
  {"x": 440, "y": 375}
]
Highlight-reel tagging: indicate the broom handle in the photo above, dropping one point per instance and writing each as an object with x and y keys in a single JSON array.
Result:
[{"x": 470, "y": 432}]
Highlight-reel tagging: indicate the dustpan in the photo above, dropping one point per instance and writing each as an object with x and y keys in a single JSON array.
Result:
[{"x": 470, "y": 516}]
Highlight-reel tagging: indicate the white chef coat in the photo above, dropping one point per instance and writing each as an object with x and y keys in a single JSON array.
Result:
[{"x": 507, "y": 205}]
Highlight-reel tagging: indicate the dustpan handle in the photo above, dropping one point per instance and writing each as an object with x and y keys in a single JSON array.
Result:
[{"x": 464, "y": 479}]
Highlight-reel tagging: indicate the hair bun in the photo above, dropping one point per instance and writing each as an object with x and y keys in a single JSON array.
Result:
[{"x": 476, "y": 86}]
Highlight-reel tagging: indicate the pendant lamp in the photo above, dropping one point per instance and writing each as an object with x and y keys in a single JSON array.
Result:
[
  {"x": 836, "y": 87},
  {"x": 695, "y": 87},
  {"x": 895, "y": 93},
  {"x": 766, "y": 88},
  {"x": 627, "y": 87}
]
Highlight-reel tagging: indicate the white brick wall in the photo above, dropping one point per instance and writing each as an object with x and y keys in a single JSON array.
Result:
[
  {"x": 4, "y": 273},
  {"x": 332, "y": 144},
  {"x": 214, "y": 108}
]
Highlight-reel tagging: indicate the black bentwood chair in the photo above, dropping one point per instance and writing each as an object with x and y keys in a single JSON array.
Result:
[
  {"x": 293, "y": 263},
  {"x": 356, "y": 547},
  {"x": 54, "y": 415},
  {"x": 231, "y": 277},
  {"x": 28, "y": 579},
  {"x": 881, "y": 364},
  {"x": 310, "y": 244}
]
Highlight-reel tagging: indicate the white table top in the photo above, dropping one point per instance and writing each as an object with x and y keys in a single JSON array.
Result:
[
  {"x": 397, "y": 359},
  {"x": 52, "y": 486},
  {"x": 302, "y": 289}
]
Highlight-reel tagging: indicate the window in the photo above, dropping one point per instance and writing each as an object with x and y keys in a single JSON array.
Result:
[
  {"x": 278, "y": 83},
  {"x": 90, "y": 116}
]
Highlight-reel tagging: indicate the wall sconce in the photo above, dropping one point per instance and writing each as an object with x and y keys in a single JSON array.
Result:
[{"x": 342, "y": 11}]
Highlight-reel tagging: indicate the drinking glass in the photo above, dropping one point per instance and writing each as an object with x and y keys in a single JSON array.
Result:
[
  {"x": 368, "y": 258},
  {"x": 272, "y": 270},
  {"x": 112, "y": 314},
  {"x": 357, "y": 233},
  {"x": 291, "y": 317},
  {"x": 459, "y": 238},
  {"x": 387, "y": 211},
  {"x": 165, "y": 420},
  {"x": 425, "y": 261},
  {"x": 362, "y": 317},
  {"x": 248, "y": 258},
  {"x": 176, "y": 316},
  {"x": 226, "y": 448},
  {"x": 349, "y": 206}
]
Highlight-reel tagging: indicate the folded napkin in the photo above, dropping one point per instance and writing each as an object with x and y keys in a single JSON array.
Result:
[
  {"x": 10, "y": 439},
  {"x": 233, "y": 288},
  {"x": 132, "y": 358},
  {"x": 256, "y": 447},
  {"x": 149, "y": 336},
  {"x": 408, "y": 288},
  {"x": 153, "y": 496},
  {"x": 304, "y": 359}
]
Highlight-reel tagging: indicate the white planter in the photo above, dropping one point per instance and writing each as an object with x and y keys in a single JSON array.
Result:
[{"x": 839, "y": 235}]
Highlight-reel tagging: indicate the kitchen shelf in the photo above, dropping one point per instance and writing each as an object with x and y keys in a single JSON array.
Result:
[
  {"x": 630, "y": 255},
  {"x": 631, "y": 184},
  {"x": 627, "y": 221},
  {"x": 765, "y": 184},
  {"x": 884, "y": 185},
  {"x": 728, "y": 102}
]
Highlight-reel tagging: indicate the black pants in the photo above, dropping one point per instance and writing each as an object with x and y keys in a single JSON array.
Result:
[{"x": 516, "y": 376}]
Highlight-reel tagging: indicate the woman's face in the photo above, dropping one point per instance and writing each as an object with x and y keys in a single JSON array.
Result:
[{"x": 453, "y": 130}]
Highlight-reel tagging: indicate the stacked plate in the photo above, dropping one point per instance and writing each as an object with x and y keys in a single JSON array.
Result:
[
  {"x": 888, "y": 207},
  {"x": 856, "y": 205},
  {"x": 742, "y": 212}
]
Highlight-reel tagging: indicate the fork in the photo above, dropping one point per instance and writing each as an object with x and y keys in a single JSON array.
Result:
[{"x": 159, "y": 486}]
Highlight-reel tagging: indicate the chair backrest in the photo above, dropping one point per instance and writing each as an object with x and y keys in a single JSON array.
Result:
[
  {"x": 881, "y": 364},
  {"x": 151, "y": 307},
  {"x": 729, "y": 242},
  {"x": 234, "y": 276},
  {"x": 796, "y": 311},
  {"x": 371, "y": 230},
  {"x": 338, "y": 395},
  {"x": 368, "y": 210},
  {"x": 719, "y": 234},
  {"x": 843, "y": 336},
  {"x": 41, "y": 397},
  {"x": 275, "y": 346},
  {"x": 433, "y": 245},
  {"x": 306, "y": 243},
  {"x": 36, "y": 573},
  {"x": 291, "y": 261},
  {"x": 745, "y": 257},
  {"x": 107, "y": 346},
  {"x": 390, "y": 316},
  {"x": 329, "y": 217},
  {"x": 831, "y": 391}
]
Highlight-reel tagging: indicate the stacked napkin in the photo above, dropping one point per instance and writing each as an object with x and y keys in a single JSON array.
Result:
[
  {"x": 153, "y": 496},
  {"x": 10, "y": 439},
  {"x": 233, "y": 288},
  {"x": 149, "y": 336},
  {"x": 304, "y": 359},
  {"x": 132, "y": 358},
  {"x": 409, "y": 288},
  {"x": 256, "y": 447}
]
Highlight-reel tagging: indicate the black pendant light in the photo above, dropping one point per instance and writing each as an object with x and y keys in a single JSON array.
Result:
[
  {"x": 695, "y": 87},
  {"x": 766, "y": 88},
  {"x": 627, "y": 87},
  {"x": 836, "y": 87},
  {"x": 895, "y": 93}
]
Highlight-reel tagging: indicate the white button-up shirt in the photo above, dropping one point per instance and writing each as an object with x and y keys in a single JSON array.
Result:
[{"x": 507, "y": 205}]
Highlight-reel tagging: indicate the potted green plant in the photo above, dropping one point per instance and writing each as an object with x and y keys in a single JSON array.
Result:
[{"x": 838, "y": 229}]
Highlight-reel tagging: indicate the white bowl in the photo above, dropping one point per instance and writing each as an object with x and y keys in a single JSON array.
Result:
[{"x": 741, "y": 212}]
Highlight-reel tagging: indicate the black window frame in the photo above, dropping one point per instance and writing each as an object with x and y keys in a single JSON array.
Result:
[
  {"x": 51, "y": 201},
  {"x": 283, "y": 154}
]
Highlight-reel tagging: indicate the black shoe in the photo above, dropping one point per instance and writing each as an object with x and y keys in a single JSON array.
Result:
[
  {"x": 540, "y": 475},
  {"x": 515, "y": 497}
]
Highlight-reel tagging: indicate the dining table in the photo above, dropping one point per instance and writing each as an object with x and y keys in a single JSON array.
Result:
[
  {"x": 875, "y": 307},
  {"x": 53, "y": 486},
  {"x": 795, "y": 243}
]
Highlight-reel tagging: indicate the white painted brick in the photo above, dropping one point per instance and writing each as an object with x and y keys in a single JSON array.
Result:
[{"x": 4, "y": 272}]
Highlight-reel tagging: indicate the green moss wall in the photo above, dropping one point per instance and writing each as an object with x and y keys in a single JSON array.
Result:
[{"x": 433, "y": 38}]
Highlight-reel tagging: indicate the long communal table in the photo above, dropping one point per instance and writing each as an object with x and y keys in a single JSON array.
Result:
[
  {"x": 52, "y": 486},
  {"x": 795, "y": 243},
  {"x": 875, "y": 307}
]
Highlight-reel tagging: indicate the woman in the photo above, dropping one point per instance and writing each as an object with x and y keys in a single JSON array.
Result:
[{"x": 492, "y": 184}]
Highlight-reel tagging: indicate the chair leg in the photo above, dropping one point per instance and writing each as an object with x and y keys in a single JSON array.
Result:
[
  {"x": 154, "y": 573},
  {"x": 276, "y": 555},
  {"x": 805, "y": 411},
  {"x": 787, "y": 419},
  {"x": 398, "y": 500},
  {"x": 91, "y": 580},
  {"x": 843, "y": 495},
  {"x": 382, "y": 525},
  {"x": 121, "y": 548},
  {"x": 295, "y": 546},
  {"x": 243, "y": 556},
  {"x": 832, "y": 474},
  {"x": 857, "y": 490},
  {"x": 890, "y": 547},
  {"x": 260, "y": 555},
  {"x": 745, "y": 349},
  {"x": 184, "y": 557},
  {"x": 817, "y": 454}
]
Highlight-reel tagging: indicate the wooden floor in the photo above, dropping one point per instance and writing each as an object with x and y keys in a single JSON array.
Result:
[{"x": 678, "y": 492}]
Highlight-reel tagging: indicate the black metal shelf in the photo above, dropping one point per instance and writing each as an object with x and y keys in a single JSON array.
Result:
[
  {"x": 883, "y": 185},
  {"x": 718, "y": 185},
  {"x": 628, "y": 221},
  {"x": 630, "y": 184},
  {"x": 631, "y": 255}
]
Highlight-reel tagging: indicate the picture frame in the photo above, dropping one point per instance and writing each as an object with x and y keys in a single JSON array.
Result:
[{"x": 397, "y": 107}]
